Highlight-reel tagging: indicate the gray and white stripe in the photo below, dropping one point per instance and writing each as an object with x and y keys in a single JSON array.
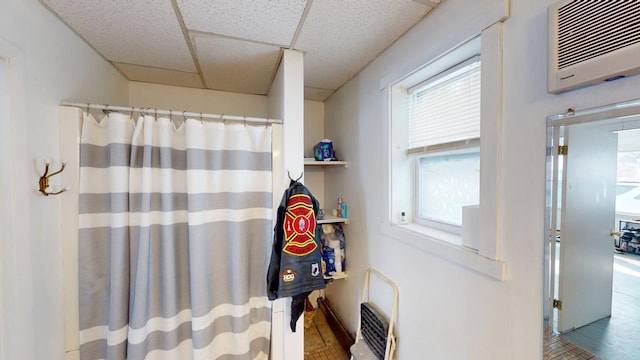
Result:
[{"x": 174, "y": 235}]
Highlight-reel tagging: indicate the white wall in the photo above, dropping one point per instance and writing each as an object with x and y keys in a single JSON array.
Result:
[
  {"x": 313, "y": 125},
  {"x": 287, "y": 102},
  {"x": 197, "y": 100},
  {"x": 447, "y": 311},
  {"x": 313, "y": 133},
  {"x": 49, "y": 64}
]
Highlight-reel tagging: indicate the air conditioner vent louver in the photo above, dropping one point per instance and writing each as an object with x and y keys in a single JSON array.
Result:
[
  {"x": 587, "y": 29},
  {"x": 591, "y": 41}
]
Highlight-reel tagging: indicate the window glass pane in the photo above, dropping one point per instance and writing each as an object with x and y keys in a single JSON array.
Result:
[
  {"x": 628, "y": 175},
  {"x": 446, "y": 183},
  {"x": 621, "y": 189}
]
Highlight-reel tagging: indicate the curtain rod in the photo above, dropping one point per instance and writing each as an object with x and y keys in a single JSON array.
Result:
[{"x": 173, "y": 113}]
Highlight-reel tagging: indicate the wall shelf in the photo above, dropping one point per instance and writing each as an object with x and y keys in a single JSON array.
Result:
[
  {"x": 327, "y": 218},
  {"x": 330, "y": 219},
  {"x": 342, "y": 275},
  {"x": 314, "y": 162}
]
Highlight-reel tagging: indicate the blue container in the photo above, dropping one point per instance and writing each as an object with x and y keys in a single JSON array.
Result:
[
  {"x": 329, "y": 257},
  {"x": 323, "y": 151}
]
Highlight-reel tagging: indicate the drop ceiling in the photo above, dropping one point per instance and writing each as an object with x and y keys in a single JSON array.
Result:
[{"x": 236, "y": 45}]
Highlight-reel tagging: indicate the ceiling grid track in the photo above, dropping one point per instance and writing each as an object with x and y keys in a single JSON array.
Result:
[
  {"x": 208, "y": 34},
  {"x": 303, "y": 18},
  {"x": 190, "y": 45}
]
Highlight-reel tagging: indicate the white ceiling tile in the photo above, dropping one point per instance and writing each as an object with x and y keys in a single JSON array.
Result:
[
  {"x": 160, "y": 76},
  {"x": 341, "y": 37},
  {"x": 270, "y": 21},
  {"x": 133, "y": 32},
  {"x": 237, "y": 66},
  {"x": 144, "y": 39},
  {"x": 317, "y": 94}
]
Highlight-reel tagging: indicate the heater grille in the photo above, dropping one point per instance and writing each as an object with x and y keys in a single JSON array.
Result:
[{"x": 588, "y": 29}]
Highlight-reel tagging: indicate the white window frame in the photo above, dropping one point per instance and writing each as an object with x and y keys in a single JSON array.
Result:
[
  {"x": 486, "y": 259},
  {"x": 448, "y": 147}
]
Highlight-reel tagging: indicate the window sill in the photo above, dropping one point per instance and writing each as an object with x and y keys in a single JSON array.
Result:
[{"x": 447, "y": 246}]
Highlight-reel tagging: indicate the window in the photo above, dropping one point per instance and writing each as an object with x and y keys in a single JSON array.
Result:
[
  {"x": 444, "y": 133},
  {"x": 475, "y": 244},
  {"x": 435, "y": 117}
]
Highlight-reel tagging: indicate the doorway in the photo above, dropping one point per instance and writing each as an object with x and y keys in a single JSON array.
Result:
[{"x": 585, "y": 276}]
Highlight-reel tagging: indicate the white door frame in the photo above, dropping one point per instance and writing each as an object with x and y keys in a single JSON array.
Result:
[{"x": 620, "y": 114}]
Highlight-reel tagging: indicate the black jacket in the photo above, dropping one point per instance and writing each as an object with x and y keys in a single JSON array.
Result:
[{"x": 295, "y": 269}]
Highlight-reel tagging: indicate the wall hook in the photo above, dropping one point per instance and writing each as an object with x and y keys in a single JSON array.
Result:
[
  {"x": 44, "y": 180},
  {"x": 296, "y": 180}
]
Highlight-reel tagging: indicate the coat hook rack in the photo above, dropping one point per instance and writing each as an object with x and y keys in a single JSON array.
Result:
[
  {"x": 296, "y": 180},
  {"x": 44, "y": 180}
]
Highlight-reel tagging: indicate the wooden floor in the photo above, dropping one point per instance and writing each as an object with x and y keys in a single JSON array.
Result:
[{"x": 319, "y": 341}]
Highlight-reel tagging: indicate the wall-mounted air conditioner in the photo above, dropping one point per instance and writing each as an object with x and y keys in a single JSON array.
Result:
[{"x": 592, "y": 41}]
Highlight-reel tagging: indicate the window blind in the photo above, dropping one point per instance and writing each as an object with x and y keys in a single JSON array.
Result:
[{"x": 446, "y": 108}]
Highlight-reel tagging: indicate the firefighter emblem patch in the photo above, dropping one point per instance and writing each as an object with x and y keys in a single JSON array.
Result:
[{"x": 299, "y": 226}]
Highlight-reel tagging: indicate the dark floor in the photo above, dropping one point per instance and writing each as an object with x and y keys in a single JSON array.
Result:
[
  {"x": 319, "y": 341},
  {"x": 618, "y": 337}
]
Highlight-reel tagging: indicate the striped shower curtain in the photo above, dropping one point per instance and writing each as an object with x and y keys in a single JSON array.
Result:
[{"x": 175, "y": 234}]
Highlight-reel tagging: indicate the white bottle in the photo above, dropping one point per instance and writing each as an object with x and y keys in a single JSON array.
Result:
[{"x": 335, "y": 245}]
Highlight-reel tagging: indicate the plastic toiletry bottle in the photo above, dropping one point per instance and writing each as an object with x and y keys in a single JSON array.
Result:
[
  {"x": 343, "y": 206},
  {"x": 342, "y": 253},
  {"x": 339, "y": 208},
  {"x": 335, "y": 245}
]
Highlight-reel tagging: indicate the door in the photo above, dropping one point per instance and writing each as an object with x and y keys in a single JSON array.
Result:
[{"x": 588, "y": 212}]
